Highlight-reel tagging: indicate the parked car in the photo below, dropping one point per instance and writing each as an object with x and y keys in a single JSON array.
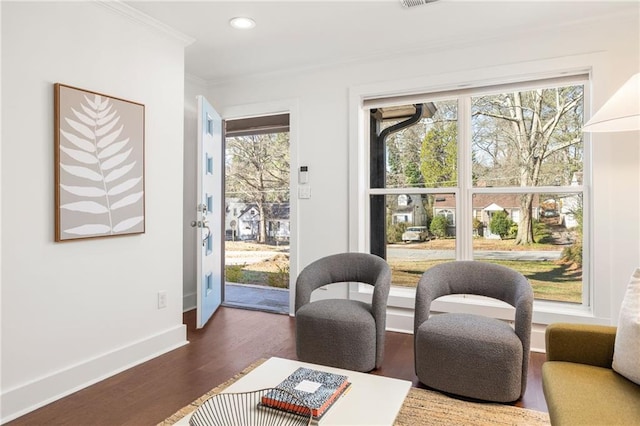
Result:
[
  {"x": 416, "y": 233},
  {"x": 550, "y": 213}
]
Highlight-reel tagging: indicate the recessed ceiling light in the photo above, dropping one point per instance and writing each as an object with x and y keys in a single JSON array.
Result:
[{"x": 242, "y": 23}]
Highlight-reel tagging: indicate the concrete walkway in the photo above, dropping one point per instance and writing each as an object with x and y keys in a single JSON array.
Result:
[{"x": 256, "y": 297}]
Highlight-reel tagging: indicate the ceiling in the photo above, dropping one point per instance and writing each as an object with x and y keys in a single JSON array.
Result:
[{"x": 303, "y": 35}]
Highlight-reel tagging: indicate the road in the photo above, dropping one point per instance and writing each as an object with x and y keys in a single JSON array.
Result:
[{"x": 417, "y": 254}]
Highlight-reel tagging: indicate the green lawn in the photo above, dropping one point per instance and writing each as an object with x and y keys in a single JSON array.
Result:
[{"x": 550, "y": 280}]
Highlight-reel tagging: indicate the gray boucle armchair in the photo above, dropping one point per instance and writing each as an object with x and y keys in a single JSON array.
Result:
[
  {"x": 342, "y": 333},
  {"x": 472, "y": 355}
]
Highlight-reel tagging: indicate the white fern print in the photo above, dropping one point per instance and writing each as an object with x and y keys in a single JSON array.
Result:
[{"x": 97, "y": 154}]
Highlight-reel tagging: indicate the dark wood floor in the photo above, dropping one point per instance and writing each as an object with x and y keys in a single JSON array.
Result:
[{"x": 233, "y": 339}]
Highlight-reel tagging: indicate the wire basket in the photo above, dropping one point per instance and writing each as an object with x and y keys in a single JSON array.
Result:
[{"x": 253, "y": 409}]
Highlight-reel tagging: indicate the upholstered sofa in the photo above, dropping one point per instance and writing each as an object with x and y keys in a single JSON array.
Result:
[{"x": 579, "y": 384}]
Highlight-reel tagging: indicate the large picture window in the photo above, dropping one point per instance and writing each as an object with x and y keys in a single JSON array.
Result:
[{"x": 494, "y": 174}]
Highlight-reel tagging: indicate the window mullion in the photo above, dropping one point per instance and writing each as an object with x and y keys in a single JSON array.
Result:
[{"x": 464, "y": 224}]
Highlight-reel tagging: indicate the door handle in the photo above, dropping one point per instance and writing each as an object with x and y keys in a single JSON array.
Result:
[
  {"x": 202, "y": 224},
  {"x": 204, "y": 240},
  {"x": 202, "y": 209}
]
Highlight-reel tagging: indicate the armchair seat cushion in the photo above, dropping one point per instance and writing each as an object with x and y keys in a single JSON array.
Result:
[
  {"x": 486, "y": 348},
  {"x": 346, "y": 326},
  {"x": 581, "y": 394}
]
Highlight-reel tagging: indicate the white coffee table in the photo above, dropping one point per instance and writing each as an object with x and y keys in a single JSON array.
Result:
[{"x": 371, "y": 401}]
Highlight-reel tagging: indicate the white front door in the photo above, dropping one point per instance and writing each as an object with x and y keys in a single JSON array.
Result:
[{"x": 209, "y": 212}]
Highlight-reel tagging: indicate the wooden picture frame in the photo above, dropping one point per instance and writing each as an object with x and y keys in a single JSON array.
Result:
[{"x": 99, "y": 165}]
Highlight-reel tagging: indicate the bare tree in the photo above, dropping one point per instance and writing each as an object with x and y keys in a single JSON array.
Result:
[
  {"x": 257, "y": 171},
  {"x": 527, "y": 135}
]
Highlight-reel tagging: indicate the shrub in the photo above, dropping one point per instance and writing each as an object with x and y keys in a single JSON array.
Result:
[
  {"x": 501, "y": 224},
  {"x": 394, "y": 232},
  {"x": 280, "y": 279},
  {"x": 233, "y": 273},
  {"x": 513, "y": 230},
  {"x": 542, "y": 232},
  {"x": 573, "y": 254},
  {"x": 438, "y": 226}
]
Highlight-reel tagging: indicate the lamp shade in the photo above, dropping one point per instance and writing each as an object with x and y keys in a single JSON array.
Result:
[{"x": 621, "y": 112}]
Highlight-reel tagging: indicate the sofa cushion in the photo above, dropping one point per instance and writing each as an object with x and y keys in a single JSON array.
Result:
[
  {"x": 626, "y": 352},
  {"x": 579, "y": 394}
]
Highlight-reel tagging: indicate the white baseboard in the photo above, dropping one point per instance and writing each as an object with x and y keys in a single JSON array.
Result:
[
  {"x": 189, "y": 302},
  {"x": 401, "y": 321},
  {"x": 537, "y": 338},
  {"x": 37, "y": 393}
]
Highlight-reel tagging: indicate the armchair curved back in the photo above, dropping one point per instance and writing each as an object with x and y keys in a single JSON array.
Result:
[
  {"x": 483, "y": 279},
  {"x": 350, "y": 267},
  {"x": 345, "y": 267}
]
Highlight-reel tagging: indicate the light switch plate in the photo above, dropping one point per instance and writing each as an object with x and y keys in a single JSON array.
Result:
[{"x": 304, "y": 192}]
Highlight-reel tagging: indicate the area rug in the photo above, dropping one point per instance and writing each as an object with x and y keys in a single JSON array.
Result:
[{"x": 421, "y": 407}]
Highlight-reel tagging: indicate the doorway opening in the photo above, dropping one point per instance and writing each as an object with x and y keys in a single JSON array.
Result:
[{"x": 257, "y": 213}]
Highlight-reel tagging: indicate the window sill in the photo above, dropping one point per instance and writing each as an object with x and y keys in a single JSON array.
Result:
[{"x": 544, "y": 312}]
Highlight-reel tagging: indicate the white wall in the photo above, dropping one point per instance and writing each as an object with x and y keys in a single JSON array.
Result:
[
  {"x": 74, "y": 313},
  {"x": 610, "y": 47}
]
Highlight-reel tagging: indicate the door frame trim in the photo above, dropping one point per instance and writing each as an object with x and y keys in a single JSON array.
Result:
[{"x": 289, "y": 106}]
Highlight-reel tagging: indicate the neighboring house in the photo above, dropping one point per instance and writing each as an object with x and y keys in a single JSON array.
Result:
[
  {"x": 484, "y": 207},
  {"x": 409, "y": 210},
  {"x": 242, "y": 221},
  {"x": 248, "y": 223},
  {"x": 233, "y": 207},
  {"x": 278, "y": 223}
]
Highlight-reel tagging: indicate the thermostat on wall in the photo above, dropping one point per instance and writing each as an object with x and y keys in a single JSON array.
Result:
[{"x": 303, "y": 174}]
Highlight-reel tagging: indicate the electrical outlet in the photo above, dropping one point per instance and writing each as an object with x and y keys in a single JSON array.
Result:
[{"x": 162, "y": 299}]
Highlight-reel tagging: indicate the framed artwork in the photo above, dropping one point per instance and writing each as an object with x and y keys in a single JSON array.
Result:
[{"x": 99, "y": 165}]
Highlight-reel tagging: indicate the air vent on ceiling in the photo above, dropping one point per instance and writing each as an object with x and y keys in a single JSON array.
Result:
[{"x": 412, "y": 3}]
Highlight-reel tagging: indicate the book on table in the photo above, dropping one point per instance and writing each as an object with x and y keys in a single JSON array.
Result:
[{"x": 318, "y": 390}]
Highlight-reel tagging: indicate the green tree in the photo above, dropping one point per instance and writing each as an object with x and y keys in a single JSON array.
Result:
[
  {"x": 439, "y": 155},
  {"x": 412, "y": 174}
]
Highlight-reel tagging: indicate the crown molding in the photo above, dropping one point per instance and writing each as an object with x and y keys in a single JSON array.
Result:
[
  {"x": 192, "y": 78},
  {"x": 429, "y": 47},
  {"x": 139, "y": 17}
]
